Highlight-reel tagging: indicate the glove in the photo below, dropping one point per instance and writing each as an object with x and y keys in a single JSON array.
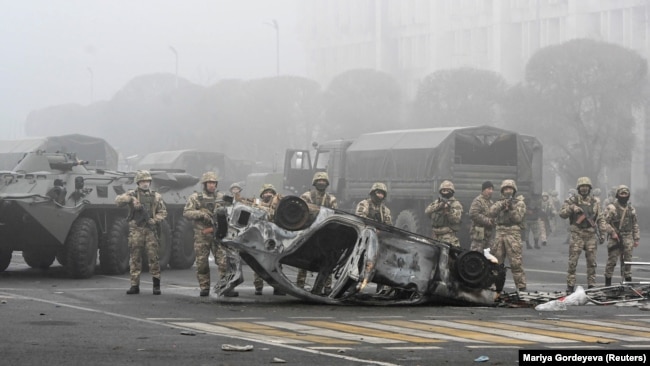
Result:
[
  {"x": 601, "y": 239},
  {"x": 577, "y": 209},
  {"x": 207, "y": 217},
  {"x": 151, "y": 222}
]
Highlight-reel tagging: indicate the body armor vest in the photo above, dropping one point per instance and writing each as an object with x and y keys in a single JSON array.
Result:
[
  {"x": 628, "y": 225},
  {"x": 208, "y": 202},
  {"x": 504, "y": 218},
  {"x": 324, "y": 200},
  {"x": 587, "y": 209}
]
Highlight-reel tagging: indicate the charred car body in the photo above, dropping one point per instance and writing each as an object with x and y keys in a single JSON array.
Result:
[
  {"x": 356, "y": 252},
  {"x": 52, "y": 206}
]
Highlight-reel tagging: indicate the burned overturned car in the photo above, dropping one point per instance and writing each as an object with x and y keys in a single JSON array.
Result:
[{"x": 358, "y": 255}]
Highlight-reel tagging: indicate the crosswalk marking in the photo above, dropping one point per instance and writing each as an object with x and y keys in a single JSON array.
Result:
[
  {"x": 356, "y": 329},
  {"x": 274, "y": 332},
  {"x": 542, "y": 334},
  {"x": 471, "y": 332},
  {"x": 406, "y": 334}
]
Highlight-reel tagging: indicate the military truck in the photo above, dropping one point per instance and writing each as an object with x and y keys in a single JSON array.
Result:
[
  {"x": 52, "y": 206},
  {"x": 413, "y": 163}
]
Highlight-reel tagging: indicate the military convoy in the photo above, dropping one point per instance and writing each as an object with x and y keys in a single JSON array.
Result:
[
  {"x": 413, "y": 164},
  {"x": 53, "y": 207}
]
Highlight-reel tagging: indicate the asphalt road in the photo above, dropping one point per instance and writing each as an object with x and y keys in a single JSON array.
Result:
[{"x": 48, "y": 318}]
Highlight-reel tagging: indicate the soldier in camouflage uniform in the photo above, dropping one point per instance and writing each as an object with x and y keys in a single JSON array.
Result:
[
  {"x": 200, "y": 208},
  {"x": 533, "y": 222},
  {"x": 146, "y": 211},
  {"x": 624, "y": 234},
  {"x": 374, "y": 207},
  {"x": 611, "y": 196},
  {"x": 318, "y": 196},
  {"x": 509, "y": 214},
  {"x": 555, "y": 202},
  {"x": 482, "y": 224},
  {"x": 269, "y": 202},
  {"x": 585, "y": 217},
  {"x": 547, "y": 216},
  {"x": 445, "y": 213}
]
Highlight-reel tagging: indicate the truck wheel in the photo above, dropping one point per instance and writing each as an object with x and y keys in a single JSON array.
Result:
[
  {"x": 114, "y": 254},
  {"x": 183, "y": 245},
  {"x": 410, "y": 221},
  {"x": 5, "y": 258},
  {"x": 165, "y": 244},
  {"x": 81, "y": 247},
  {"x": 40, "y": 260}
]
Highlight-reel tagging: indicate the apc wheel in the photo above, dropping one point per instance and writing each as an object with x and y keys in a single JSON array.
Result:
[
  {"x": 183, "y": 245},
  {"x": 410, "y": 221},
  {"x": 114, "y": 254},
  {"x": 81, "y": 247},
  {"x": 5, "y": 258},
  {"x": 39, "y": 259}
]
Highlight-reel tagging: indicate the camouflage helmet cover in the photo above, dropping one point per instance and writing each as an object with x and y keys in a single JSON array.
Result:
[
  {"x": 319, "y": 176},
  {"x": 141, "y": 175},
  {"x": 446, "y": 184},
  {"x": 508, "y": 183},
  {"x": 235, "y": 185},
  {"x": 378, "y": 186},
  {"x": 622, "y": 188},
  {"x": 209, "y": 177},
  {"x": 583, "y": 181},
  {"x": 267, "y": 187},
  {"x": 544, "y": 194}
]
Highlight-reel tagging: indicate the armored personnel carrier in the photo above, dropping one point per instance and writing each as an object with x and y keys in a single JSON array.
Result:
[{"x": 53, "y": 207}]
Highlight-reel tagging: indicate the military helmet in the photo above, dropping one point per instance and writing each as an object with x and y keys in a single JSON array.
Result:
[
  {"x": 319, "y": 176},
  {"x": 583, "y": 181},
  {"x": 141, "y": 175},
  {"x": 544, "y": 194},
  {"x": 622, "y": 188},
  {"x": 508, "y": 183},
  {"x": 378, "y": 186},
  {"x": 235, "y": 185},
  {"x": 267, "y": 187},
  {"x": 209, "y": 177},
  {"x": 447, "y": 184},
  {"x": 554, "y": 193},
  {"x": 612, "y": 191},
  {"x": 596, "y": 192}
]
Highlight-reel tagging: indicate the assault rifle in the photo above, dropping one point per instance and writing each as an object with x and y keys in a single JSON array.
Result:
[
  {"x": 592, "y": 223},
  {"x": 218, "y": 219}
]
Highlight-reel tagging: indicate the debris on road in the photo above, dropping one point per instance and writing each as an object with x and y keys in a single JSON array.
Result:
[{"x": 233, "y": 347}]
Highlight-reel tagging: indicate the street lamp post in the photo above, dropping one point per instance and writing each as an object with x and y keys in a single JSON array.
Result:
[
  {"x": 92, "y": 85},
  {"x": 274, "y": 24},
  {"x": 176, "y": 70}
]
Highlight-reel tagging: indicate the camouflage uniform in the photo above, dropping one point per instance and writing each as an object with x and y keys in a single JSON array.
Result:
[
  {"x": 318, "y": 196},
  {"x": 580, "y": 209},
  {"x": 200, "y": 208},
  {"x": 445, "y": 215},
  {"x": 533, "y": 222},
  {"x": 373, "y": 207},
  {"x": 621, "y": 219},
  {"x": 269, "y": 207},
  {"x": 509, "y": 215},
  {"x": 555, "y": 203},
  {"x": 548, "y": 216},
  {"x": 482, "y": 227},
  {"x": 143, "y": 236}
]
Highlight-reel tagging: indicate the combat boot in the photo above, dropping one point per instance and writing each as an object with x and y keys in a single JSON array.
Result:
[
  {"x": 570, "y": 289},
  {"x": 537, "y": 244},
  {"x": 204, "y": 292},
  {"x": 608, "y": 281},
  {"x": 156, "y": 286},
  {"x": 628, "y": 279},
  {"x": 134, "y": 290}
]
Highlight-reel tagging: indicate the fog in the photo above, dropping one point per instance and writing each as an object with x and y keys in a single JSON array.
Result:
[{"x": 79, "y": 51}]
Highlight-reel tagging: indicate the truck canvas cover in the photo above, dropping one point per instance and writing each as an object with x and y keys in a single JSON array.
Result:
[
  {"x": 431, "y": 155},
  {"x": 95, "y": 150}
]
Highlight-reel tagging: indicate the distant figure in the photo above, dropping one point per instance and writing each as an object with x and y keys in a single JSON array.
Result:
[
  {"x": 547, "y": 216},
  {"x": 445, "y": 213},
  {"x": 146, "y": 211},
  {"x": 482, "y": 224},
  {"x": 624, "y": 234},
  {"x": 533, "y": 222},
  {"x": 269, "y": 202}
]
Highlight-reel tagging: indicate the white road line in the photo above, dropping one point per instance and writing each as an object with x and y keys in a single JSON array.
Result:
[
  {"x": 301, "y": 328},
  {"x": 499, "y": 332}
]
